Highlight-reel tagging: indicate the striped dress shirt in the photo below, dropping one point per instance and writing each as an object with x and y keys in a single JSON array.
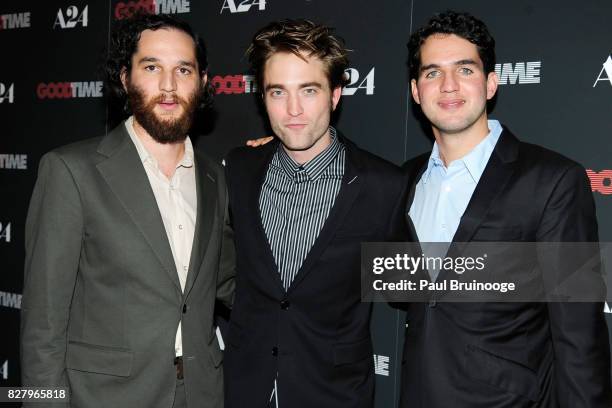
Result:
[{"x": 295, "y": 201}]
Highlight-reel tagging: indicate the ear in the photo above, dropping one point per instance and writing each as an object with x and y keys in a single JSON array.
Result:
[
  {"x": 492, "y": 81},
  {"x": 123, "y": 77},
  {"x": 336, "y": 93},
  {"x": 415, "y": 91}
]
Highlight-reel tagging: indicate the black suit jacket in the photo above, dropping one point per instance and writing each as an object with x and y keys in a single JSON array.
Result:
[
  {"x": 512, "y": 354},
  {"x": 316, "y": 335}
]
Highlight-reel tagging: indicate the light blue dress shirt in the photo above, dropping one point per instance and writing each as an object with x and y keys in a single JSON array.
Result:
[{"x": 443, "y": 193}]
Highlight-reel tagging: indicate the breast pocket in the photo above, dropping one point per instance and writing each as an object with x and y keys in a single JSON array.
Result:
[{"x": 500, "y": 234}]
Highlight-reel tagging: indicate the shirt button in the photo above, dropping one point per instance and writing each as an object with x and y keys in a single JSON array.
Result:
[
  {"x": 433, "y": 303},
  {"x": 180, "y": 226},
  {"x": 184, "y": 268},
  {"x": 284, "y": 304},
  {"x": 275, "y": 351}
]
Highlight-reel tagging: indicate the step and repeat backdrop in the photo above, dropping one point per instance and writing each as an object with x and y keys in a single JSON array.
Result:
[{"x": 554, "y": 63}]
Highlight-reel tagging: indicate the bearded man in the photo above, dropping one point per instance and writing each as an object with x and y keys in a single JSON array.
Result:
[{"x": 128, "y": 244}]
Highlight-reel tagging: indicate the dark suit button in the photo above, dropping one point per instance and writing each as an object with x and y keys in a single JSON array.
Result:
[
  {"x": 275, "y": 351},
  {"x": 433, "y": 303},
  {"x": 184, "y": 309},
  {"x": 284, "y": 304}
]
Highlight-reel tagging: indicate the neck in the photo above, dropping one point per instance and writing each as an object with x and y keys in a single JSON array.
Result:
[
  {"x": 167, "y": 155},
  {"x": 454, "y": 146},
  {"x": 304, "y": 156}
]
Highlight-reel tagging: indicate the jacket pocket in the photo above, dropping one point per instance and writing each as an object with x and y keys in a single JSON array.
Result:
[
  {"x": 352, "y": 352},
  {"x": 93, "y": 358},
  {"x": 501, "y": 373}
]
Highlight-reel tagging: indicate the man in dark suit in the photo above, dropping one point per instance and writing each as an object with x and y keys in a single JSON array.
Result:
[
  {"x": 128, "y": 243},
  {"x": 480, "y": 183},
  {"x": 299, "y": 334}
]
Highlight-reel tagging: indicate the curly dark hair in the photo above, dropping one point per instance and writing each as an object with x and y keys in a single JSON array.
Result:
[
  {"x": 124, "y": 43},
  {"x": 463, "y": 25},
  {"x": 297, "y": 36}
]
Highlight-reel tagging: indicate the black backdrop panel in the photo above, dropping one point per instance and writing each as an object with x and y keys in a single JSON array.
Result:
[{"x": 554, "y": 61}]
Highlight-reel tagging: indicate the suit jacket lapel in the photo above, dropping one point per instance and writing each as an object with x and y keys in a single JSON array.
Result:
[
  {"x": 496, "y": 175},
  {"x": 254, "y": 186},
  {"x": 126, "y": 177},
  {"x": 415, "y": 174},
  {"x": 352, "y": 182},
  {"x": 492, "y": 182},
  {"x": 207, "y": 214}
]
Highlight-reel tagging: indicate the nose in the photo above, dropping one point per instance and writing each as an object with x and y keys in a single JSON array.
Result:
[
  {"x": 167, "y": 82},
  {"x": 449, "y": 83},
  {"x": 294, "y": 105}
]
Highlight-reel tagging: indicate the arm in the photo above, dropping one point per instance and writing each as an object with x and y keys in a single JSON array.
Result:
[
  {"x": 227, "y": 264},
  {"x": 578, "y": 330},
  {"x": 53, "y": 234},
  {"x": 398, "y": 229}
]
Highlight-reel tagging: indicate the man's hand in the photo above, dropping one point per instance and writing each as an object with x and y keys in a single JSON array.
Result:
[{"x": 259, "y": 142}]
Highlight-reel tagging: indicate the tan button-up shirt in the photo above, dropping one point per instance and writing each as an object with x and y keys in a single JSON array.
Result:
[{"x": 177, "y": 202}]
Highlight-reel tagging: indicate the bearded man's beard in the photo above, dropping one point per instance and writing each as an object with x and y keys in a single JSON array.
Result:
[{"x": 161, "y": 130}]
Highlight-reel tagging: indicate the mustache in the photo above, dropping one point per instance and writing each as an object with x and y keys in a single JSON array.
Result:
[{"x": 168, "y": 98}]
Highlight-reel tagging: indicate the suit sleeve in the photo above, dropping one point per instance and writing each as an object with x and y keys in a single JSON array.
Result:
[
  {"x": 397, "y": 228},
  {"x": 53, "y": 235},
  {"x": 579, "y": 332},
  {"x": 227, "y": 263}
]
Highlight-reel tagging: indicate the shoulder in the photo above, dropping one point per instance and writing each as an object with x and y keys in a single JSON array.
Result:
[
  {"x": 72, "y": 155},
  {"x": 541, "y": 157},
  {"x": 381, "y": 177},
  {"x": 204, "y": 160},
  {"x": 553, "y": 171},
  {"x": 250, "y": 153},
  {"x": 369, "y": 161},
  {"x": 545, "y": 168},
  {"x": 415, "y": 164},
  {"x": 246, "y": 158},
  {"x": 77, "y": 150},
  {"x": 545, "y": 165}
]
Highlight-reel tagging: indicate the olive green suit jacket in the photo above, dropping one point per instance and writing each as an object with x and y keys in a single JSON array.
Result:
[{"x": 102, "y": 299}]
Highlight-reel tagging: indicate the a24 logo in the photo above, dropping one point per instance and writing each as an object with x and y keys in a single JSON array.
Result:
[
  {"x": 71, "y": 17},
  {"x": 242, "y": 6}
]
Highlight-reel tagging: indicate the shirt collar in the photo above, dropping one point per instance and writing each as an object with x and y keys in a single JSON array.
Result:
[
  {"x": 475, "y": 161},
  {"x": 145, "y": 156},
  {"x": 314, "y": 168}
]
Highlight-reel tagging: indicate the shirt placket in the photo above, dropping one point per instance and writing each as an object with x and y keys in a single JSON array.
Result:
[
  {"x": 444, "y": 197},
  {"x": 180, "y": 227},
  {"x": 288, "y": 230}
]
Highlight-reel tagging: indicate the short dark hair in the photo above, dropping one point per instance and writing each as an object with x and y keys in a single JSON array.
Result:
[
  {"x": 463, "y": 25},
  {"x": 124, "y": 44},
  {"x": 296, "y": 36}
]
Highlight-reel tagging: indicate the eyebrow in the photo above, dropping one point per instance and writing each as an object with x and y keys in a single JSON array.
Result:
[
  {"x": 304, "y": 85},
  {"x": 467, "y": 61},
  {"x": 181, "y": 62}
]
